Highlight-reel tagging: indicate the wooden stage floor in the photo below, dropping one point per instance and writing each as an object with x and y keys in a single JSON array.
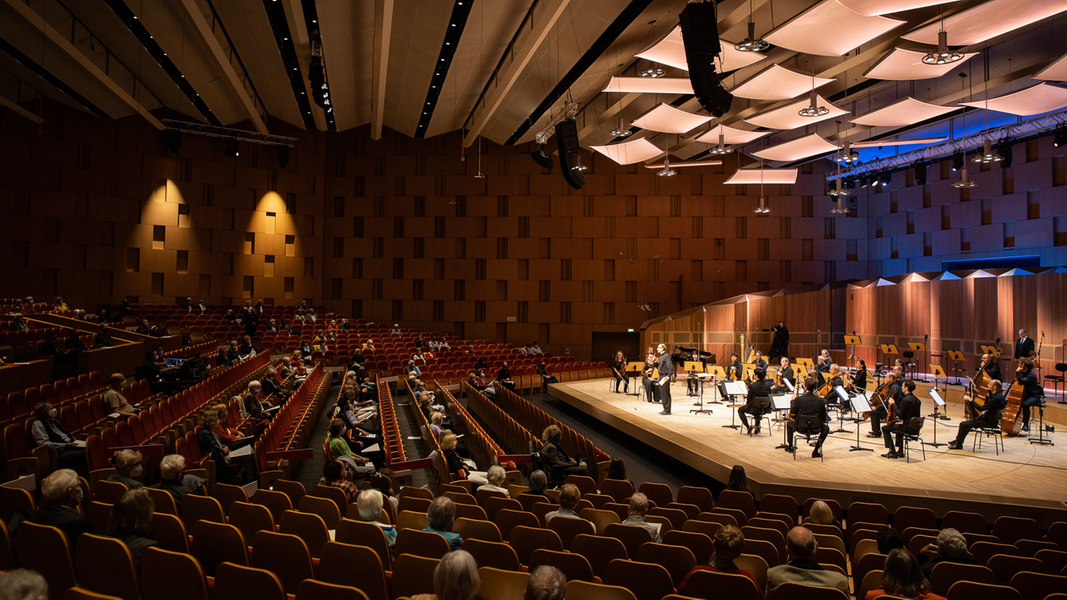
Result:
[{"x": 1029, "y": 476}]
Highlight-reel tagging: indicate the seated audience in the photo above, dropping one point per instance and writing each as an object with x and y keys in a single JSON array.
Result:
[
  {"x": 256, "y": 408},
  {"x": 48, "y": 431},
  {"x": 638, "y": 508},
  {"x": 441, "y": 514},
  {"x": 903, "y": 577},
  {"x": 729, "y": 543},
  {"x": 128, "y": 468},
  {"x": 103, "y": 337},
  {"x": 383, "y": 482},
  {"x": 545, "y": 583},
  {"x": 175, "y": 481},
  {"x": 455, "y": 578},
  {"x": 496, "y": 477},
  {"x": 738, "y": 480},
  {"x": 334, "y": 474},
  {"x": 820, "y": 514},
  {"x": 114, "y": 399},
  {"x": 243, "y": 469},
  {"x": 950, "y": 547},
  {"x": 61, "y": 493},
  {"x": 456, "y": 465},
  {"x": 369, "y": 504},
  {"x": 436, "y": 419},
  {"x": 129, "y": 522},
  {"x": 542, "y": 370},
  {"x": 340, "y": 450},
  {"x": 23, "y": 584},
  {"x": 617, "y": 470},
  {"x": 556, "y": 461},
  {"x": 802, "y": 568},
  {"x": 888, "y": 539},
  {"x": 569, "y": 495},
  {"x": 538, "y": 482}
]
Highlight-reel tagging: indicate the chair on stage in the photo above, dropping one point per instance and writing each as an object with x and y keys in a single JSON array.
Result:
[
  {"x": 808, "y": 427},
  {"x": 916, "y": 425}
]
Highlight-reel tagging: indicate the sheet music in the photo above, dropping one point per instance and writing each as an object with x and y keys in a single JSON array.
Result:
[
  {"x": 242, "y": 451},
  {"x": 937, "y": 397},
  {"x": 841, "y": 393},
  {"x": 781, "y": 401}
]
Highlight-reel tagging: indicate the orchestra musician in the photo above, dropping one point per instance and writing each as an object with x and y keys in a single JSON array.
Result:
[
  {"x": 646, "y": 375},
  {"x": 760, "y": 362},
  {"x": 735, "y": 370},
  {"x": 892, "y": 382},
  {"x": 905, "y": 409},
  {"x": 992, "y": 369},
  {"x": 808, "y": 405},
  {"x": 761, "y": 387},
  {"x": 618, "y": 371},
  {"x": 1024, "y": 346},
  {"x": 780, "y": 343},
  {"x": 785, "y": 371},
  {"x": 987, "y": 415},
  {"x": 666, "y": 369},
  {"x": 819, "y": 360},
  {"x": 859, "y": 382},
  {"x": 1033, "y": 393}
]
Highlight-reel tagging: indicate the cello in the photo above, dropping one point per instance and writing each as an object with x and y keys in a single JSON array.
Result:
[{"x": 1010, "y": 423}]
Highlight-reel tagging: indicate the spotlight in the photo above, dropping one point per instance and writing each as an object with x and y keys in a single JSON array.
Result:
[
  {"x": 957, "y": 162},
  {"x": 887, "y": 179},
  {"x": 920, "y": 173},
  {"x": 231, "y": 148},
  {"x": 283, "y": 156},
  {"x": 653, "y": 71},
  {"x": 1060, "y": 137},
  {"x": 942, "y": 56},
  {"x": 813, "y": 109},
  {"x": 752, "y": 43},
  {"x": 541, "y": 158},
  {"x": 1005, "y": 149},
  {"x": 864, "y": 182},
  {"x": 987, "y": 156}
]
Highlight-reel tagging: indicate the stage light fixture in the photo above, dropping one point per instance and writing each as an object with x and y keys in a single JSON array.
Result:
[
  {"x": 957, "y": 162},
  {"x": 762, "y": 209},
  {"x": 887, "y": 178},
  {"x": 231, "y": 148},
  {"x": 1059, "y": 137},
  {"x": 751, "y": 43},
  {"x": 621, "y": 131},
  {"x": 988, "y": 155},
  {"x": 964, "y": 183},
  {"x": 943, "y": 55},
  {"x": 721, "y": 148},
  {"x": 864, "y": 182},
  {"x": 666, "y": 171}
]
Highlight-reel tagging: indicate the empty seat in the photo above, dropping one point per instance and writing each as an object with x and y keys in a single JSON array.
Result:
[
  {"x": 284, "y": 555},
  {"x": 356, "y": 566},
  {"x": 647, "y": 581}
]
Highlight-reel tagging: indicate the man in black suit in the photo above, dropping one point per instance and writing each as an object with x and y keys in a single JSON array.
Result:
[
  {"x": 892, "y": 381},
  {"x": 808, "y": 405},
  {"x": 987, "y": 415},
  {"x": 760, "y": 387},
  {"x": 1024, "y": 345},
  {"x": 785, "y": 373},
  {"x": 905, "y": 409},
  {"x": 61, "y": 494},
  {"x": 780, "y": 343},
  {"x": 666, "y": 369}
]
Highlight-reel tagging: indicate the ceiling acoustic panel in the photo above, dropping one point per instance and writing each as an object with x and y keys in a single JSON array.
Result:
[
  {"x": 873, "y": 8},
  {"x": 909, "y": 142},
  {"x": 694, "y": 163},
  {"x": 627, "y": 153},
  {"x": 670, "y": 51},
  {"x": 767, "y": 176},
  {"x": 1041, "y": 98},
  {"x": 730, "y": 135},
  {"x": 987, "y": 21},
  {"x": 788, "y": 117},
  {"x": 649, "y": 85},
  {"x": 668, "y": 119},
  {"x": 908, "y": 111},
  {"x": 777, "y": 83},
  {"x": 798, "y": 149},
  {"x": 830, "y": 29},
  {"x": 907, "y": 65},
  {"x": 1057, "y": 71}
]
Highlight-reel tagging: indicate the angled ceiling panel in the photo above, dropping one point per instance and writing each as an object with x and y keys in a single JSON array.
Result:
[
  {"x": 1041, "y": 98},
  {"x": 1057, "y": 71},
  {"x": 798, "y": 149},
  {"x": 777, "y": 83},
  {"x": 347, "y": 30},
  {"x": 907, "y": 65},
  {"x": 788, "y": 117},
  {"x": 830, "y": 29},
  {"x": 627, "y": 153},
  {"x": 767, "y": 176},
  {"x": 988, "y": 20},
  {"x": 908, "y": 111},
  {"x": 730, "y": 135},
  {"x": 904, "y": 142},
  {"x": 670, "y": 51},
  {"x": 873, "y": 8},
  {"x": 649, "y": 85},
  {"x": 668, "y": 119}
]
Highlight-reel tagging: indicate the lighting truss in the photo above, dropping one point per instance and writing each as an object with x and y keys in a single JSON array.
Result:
[
  {"x": 1035, "y": 127},
  {"x": 569, "y": 110},
  {"x": 241, "y": 135}
]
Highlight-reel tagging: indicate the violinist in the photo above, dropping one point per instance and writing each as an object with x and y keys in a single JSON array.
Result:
[
  {"x": 893, "y": 393},
  {"x": 735, "y": 370},
  {"x": 987, "y": 415},
  {"x": 905, "y": 409},
  {"x": 991, "y": 368},
  {"x": 785, "y": 371},
  {"x": 859, "y": 382},
  {"x": 759, "y": 362},
  {"x": 808, "y": 405},
  {"x": 1033, "y": 393},
  {"x": 618, "y": 370},
  {"x": 646, "y": 376},
  {"x": 761, "y": 387}
]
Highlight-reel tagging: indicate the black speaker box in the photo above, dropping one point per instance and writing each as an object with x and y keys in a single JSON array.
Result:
[
  {"x": 568, "y": 147},
  {"x": 700, "y": 36}
]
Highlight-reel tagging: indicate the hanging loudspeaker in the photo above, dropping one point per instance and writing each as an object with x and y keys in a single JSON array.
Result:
[
  {"x": 700, "y": 35},
  {"x": 568, "y": 147}
]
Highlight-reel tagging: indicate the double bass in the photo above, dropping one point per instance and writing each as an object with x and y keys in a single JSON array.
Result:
[
  {"x": 1010, "y": 423},
  {"x": 982, "y": 381}
]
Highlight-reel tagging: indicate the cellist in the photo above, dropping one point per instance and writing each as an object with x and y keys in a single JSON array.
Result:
[
  {"x": 988, "y": 414},
  {"x": 905, "y": 409},
  {"x": 1033, "y": 393},
  {"x": 893, "y": 393},
  {"x": 991, "y": 368}
]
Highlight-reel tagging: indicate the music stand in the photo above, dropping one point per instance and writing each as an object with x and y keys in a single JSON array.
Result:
[
  {"x": 719, "y": 374},
  {"x": 859, "y": 406},
  {"x": 921, "y": 347},
  {"x": 781, "y": 402},
  {"x": 939, "y": 372},
  {"x": 956, "y": 357},
  {"x": 733, "y": 389},
  {"x": 852, "y": 340},
  {"x": 635, "y": 367},
  {"x": 701, "y": 380},
  {"x": 888, "y": 349},
  {"x": 843, "y": 396},
  {"x": 804, "y": 362},
  {"x": 800, "y": 373},
  {"x": 692, "y": 367},
  {"x": 938, "y": 403}
]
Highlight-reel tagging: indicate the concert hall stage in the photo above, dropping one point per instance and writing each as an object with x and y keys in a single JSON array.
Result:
[{"x": 1030, "y": 476}]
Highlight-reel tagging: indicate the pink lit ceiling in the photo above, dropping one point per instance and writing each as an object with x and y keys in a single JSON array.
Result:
[
  {"x": 695, "y": 163},
  {"x": 627, "y": 153},
  {"x": 777, "y": 83},
  {"x": 904, "y": 112},
  {"x": 788, "y": 117},
  {"x": 730, "y": 135},
  {"x": 987, "y": 21},
  {"x": 649, "y": 85},
  {"x": 1057, "y": 71},
  {"x": 1035, "y": 100},
  {"x": 873, "y": 8},
  {"x": 767, "y": 176},
  {"x": 668, "y": 119},
  {"x": 798, "y": 149},
  {"x": 830, "y": 29},
  {"x": 670, "y": 51},
  {"x": 907, "y": 65}
]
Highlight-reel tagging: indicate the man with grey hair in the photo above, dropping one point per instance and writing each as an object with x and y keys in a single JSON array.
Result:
[
  {"x": 546, "y": 583},
  {"x": 253, "y": 405},
  {"x": 23, "y": 584},
  {"x": 802, "y": 567},
  {"x": 951, "y": 547},
  {"x": 176, "y": 481},
  {"x": 61, "y": 493},
  {"x": 638, "y": 508}
]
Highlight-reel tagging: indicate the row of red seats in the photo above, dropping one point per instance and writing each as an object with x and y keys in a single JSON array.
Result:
[
  {"x": 290, "y": 427},
  {"x": 392, "y": 438}
]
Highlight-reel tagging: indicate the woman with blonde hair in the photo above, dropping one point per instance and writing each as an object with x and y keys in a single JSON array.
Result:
[
  {"x": 455, "y": 578},
  {"x": 820, "y": 514}
]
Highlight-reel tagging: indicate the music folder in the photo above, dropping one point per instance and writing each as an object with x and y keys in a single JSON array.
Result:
[
  {"x": 917, "y": 346},
  {"x": 852, "y": 340},
  {"x": 937, "y": 397}
]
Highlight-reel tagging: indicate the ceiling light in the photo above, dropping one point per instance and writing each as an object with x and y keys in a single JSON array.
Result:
[
  {"x": 762, "y": 209},
  {"x": 814, "y": 110},
  {"x": 720, "y": 148},
  {"x": 988, "y": 155},
  {"x": 942, "y": 56},
  {"x": 957, "y": 162},
  {"x": 666, "y": 171},
  {"x": 847, "y": 156},
  {"x": 653, "y": 71},
  {"x": 964, "y": 183},
  {"x": 752, "y": 43},
  {"x": 578, "y": 166},
  {"x": 622, "y": 130}
]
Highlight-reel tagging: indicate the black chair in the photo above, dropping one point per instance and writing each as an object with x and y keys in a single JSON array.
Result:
[
  {"x": 763, "y": 405},
  {"x": 993, "y": 431},
  {"x": 808, "y": 427},
  {"x": 916, "y": 425},
  {"x": 1058, "y": 380}
]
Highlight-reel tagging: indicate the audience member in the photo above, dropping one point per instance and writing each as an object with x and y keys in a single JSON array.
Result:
[
  {"x": 383, "y": 482},
  {"x": 569, "y": 495},
  {"x": 950, "y": 547},
  {"x": 538, "y": 482},
  {"x": 334, "y": 474},
  {"x": 61, "y": 493},
  {"x": 256, "y": 408},
  {"x": 802, "y": 567},
  {"x": 617, "y": 469},
  {"x": 103, "y": 337},
  {"x": 128, "y": 468},
  {"x": 441, "y": 513},
  {"x": 546, "y": 583},
  {"x": 114, "y": 399},
  {"x": 820, "y": 514},
  {"x": 455, "y": 578},
  {"x": 738, "y": 480},
  {"x": 888, "y": 539},
  {"x": 496, "y": 477},
  {"x": 340, "y": 450},
  {"x": 729, "y": 543},
  {"x": 557, "y": 463},
  {"x": 638, "y": 508},
  {"x": 369, "y": 504},
  {"x": 129, "y": 522},
  {"x": 176, "y": 481},
  {"x": 903, "y": 577},
  {"x": 48, "y": 431},
  {"x": 23, "y": 584},
  {"x": 546, "y": 378}
]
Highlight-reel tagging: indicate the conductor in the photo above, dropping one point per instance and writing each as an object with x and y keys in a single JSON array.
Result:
[{"x": 666, "y": 369}]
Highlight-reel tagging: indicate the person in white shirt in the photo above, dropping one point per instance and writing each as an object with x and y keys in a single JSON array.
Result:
[
  {"x": 535, "y": 349},
  {"x": 496, "y": 477}
]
